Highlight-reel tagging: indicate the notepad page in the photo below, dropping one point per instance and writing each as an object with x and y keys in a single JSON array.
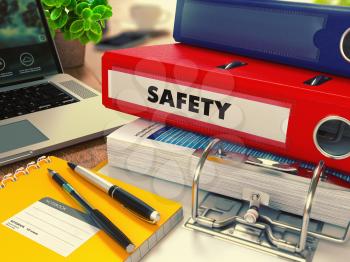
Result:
[{"x": 53, "y": 225}]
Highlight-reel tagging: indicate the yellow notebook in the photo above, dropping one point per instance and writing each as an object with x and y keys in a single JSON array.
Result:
[{"x": 38, "y": 221}]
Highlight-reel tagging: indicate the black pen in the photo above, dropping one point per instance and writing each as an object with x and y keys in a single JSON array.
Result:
[
  {"x": 134, "y": 204},
  {"x": 101, "y": 220}
]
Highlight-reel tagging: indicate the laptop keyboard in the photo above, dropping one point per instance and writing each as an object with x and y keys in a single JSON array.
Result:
[{"x": 32, "y": 99}]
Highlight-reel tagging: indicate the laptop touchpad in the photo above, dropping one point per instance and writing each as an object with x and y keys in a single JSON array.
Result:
[{"x": 19, "y": 134}]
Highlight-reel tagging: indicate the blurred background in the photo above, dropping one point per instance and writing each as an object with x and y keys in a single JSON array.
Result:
[
  {"x": 143, "y": 22},
  {"x": 135, "y": 15}
]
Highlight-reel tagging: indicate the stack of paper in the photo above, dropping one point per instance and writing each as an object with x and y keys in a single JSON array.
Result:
[{"x": 168, "y": 153}]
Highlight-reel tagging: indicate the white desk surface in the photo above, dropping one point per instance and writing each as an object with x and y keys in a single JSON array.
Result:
[{"x": 184, "y": 245}]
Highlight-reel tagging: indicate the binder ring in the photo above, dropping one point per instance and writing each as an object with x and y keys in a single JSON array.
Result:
[
  {"x": 30, "y": 165},
  {"x": 7, "y": 178},
  {"x": 23, "y": 171},
  {"x": 308, "y": 205},
  {"x": 44, "y": 159},
  {"x": 20, "y": 171},
  {"x": 197, "y": 173},
  {"x": 208, "y": 225}
]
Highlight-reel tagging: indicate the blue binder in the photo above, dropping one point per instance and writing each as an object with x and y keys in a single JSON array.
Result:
[{"x": 305, "y": 35}]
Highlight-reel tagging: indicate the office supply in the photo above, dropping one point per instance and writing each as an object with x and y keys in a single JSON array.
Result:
[
  {"x": 171, "y": 154},
  {"x": 300, "y": 34},
  {"x": 31, "y": 184},
  {"x": 260, "y": 104},
  {"x": 99, "y": 218},
  {"x": 35, "y": 93},
  {"x": 256, "y": 223},
  {"x": 65, "y": 229},
  {"x": 196, "y": 246},
  {"x": 136, "y": 205}
]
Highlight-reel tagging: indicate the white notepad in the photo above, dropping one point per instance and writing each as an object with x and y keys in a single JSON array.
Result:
[{"x": 53, "y": 225}]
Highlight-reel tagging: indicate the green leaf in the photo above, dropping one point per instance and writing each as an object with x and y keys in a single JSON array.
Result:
[
  {"x": 77, "y": 35},
  {"x": 79, "y": 19},
  {"x": 67, "y": 35},
  {"x": 87, "y": 25},
  {"x": 56, "y": 13},
  {"x": 77, "y": 26},
  {"x": 103, "y": 24},
  {"x": 66, "y": 2},
  {"x": 68, "y": 24},
  {"x": 96, "y": 28},
  {"x": 59, "y": 3},
  {"x": 107, "y": 14},
  {"x": 87, "y": 12},
  {"x": 94, "y": 37},
  {"x": 61, "y": 22},
  {"x": 84, "y": 39},
  {"x": 96, "y": 17},
  {"x": 104, "y": 11},
  {"x": 80, "y": 7},
  {"x": 101, "y": 9},
  {"x": 52, "y": 24},
  {"x": 47, "y": 14},
  {"x": 72, "y": 5},
  {"x": 98, "y": 2},
  {"x": 49, "y": 3}
]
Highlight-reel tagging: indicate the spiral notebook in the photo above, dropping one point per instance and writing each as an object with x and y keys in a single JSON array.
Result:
[{"x": 39, "y": 221}]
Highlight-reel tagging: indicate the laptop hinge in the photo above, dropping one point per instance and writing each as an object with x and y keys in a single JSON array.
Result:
[{"x": 22, "y": 82}]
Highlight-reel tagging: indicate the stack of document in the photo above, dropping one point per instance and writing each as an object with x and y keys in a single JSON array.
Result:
[{"x": 171, "y": 153}]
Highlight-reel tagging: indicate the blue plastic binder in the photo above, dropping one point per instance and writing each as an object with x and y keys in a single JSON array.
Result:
[{"x": 305, "y": 35}]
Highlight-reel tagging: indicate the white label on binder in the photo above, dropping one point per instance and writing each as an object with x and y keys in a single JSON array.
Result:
[
  {"x": 247, "y": 114},
  {"x": 53, "y": 225}
]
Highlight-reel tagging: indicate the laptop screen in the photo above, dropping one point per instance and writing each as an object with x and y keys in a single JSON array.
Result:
[{"x": 26, "y": 50}]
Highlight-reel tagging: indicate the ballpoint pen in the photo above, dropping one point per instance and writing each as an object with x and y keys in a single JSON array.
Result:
[
  {"x": 101, "y": 220},
  {"x": 134, "y": 204}
]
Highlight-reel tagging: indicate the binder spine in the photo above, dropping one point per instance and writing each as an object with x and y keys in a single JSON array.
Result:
[{"x": 13, "y": 177}]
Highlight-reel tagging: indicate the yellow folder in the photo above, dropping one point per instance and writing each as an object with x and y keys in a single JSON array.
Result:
[{"x": 28, "y": 189}]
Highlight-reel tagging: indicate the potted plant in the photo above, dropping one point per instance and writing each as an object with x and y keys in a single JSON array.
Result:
[
  {"x": 74, "y": 23},
  {"x": 333, "y": 2}
]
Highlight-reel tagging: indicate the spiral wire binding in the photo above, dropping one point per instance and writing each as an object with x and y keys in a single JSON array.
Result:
[{"x": 13, "y": 177}]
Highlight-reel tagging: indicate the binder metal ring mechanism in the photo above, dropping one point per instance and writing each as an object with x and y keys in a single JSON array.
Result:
[
  {"x": 13, "y": 177},
  {"x": 248, "y": 226}
]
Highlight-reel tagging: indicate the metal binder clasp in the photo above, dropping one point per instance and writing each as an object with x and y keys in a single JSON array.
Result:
[
  {"x": 254, "y": 223},
  {"x": 252, "y": 215},
  {"x": 219, "y": 155}
]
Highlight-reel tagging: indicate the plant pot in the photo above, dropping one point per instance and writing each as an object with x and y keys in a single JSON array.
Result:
[{"x": 71, "y": 53}]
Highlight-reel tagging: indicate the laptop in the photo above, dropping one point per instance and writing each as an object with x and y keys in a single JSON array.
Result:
[{"x": 41, "y": 108}]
